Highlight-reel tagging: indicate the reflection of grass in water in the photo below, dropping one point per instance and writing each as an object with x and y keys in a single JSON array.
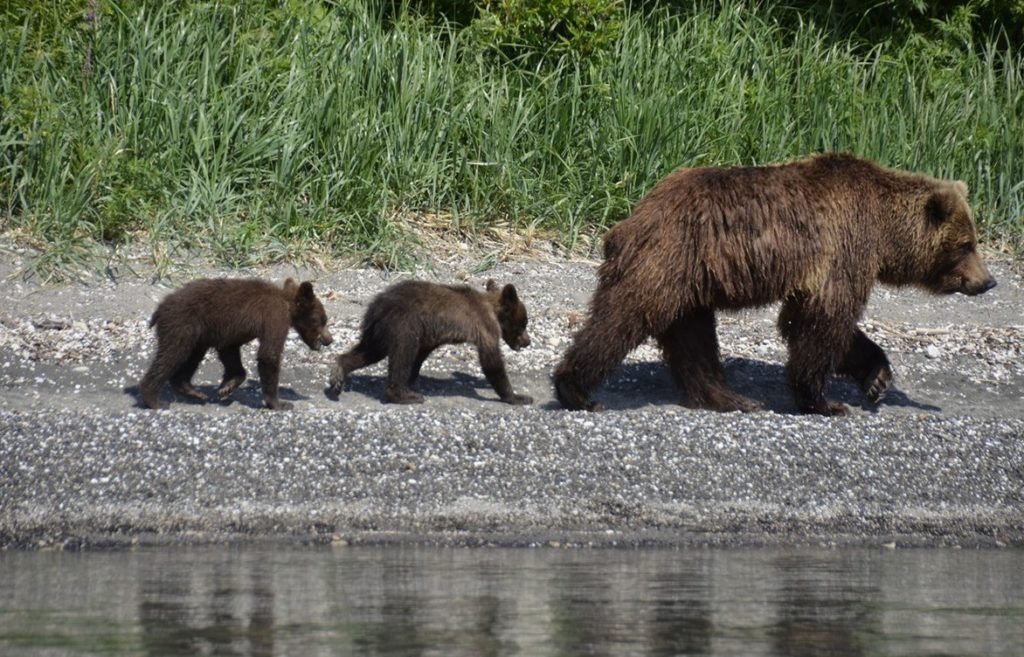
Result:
[
  {"x": 261, "y": 136},
  {"x": 68, "y": 632}
]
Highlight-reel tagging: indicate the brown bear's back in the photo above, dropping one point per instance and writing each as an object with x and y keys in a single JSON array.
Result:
[
  {"x": 432, "y": 312},
  {"x": 222, "y": 312}
]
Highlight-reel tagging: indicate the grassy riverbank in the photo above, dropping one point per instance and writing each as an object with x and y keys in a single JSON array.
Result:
[{"x": 257, "y": 135}]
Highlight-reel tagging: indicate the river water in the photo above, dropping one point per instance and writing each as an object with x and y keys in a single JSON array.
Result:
[{"x": 533, "y": 602}]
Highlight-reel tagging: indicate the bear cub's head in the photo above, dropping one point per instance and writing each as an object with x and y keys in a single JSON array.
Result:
[
  {"x": 309, "y": 319},
  {"x": 956, "y": 265},
  {"x": 511, "y": 314}
]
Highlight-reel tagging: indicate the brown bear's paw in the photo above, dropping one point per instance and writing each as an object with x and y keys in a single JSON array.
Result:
[
  {"x": 151, "y": 398},
  {"x": 826, "y": 407},
  {"x": 185, "y": 389},
  {"x": 518, "y": 400},
  {"x": 403, "y": 397},
  {"x": 228, "y": 387},
  {"x": 277, "y": 405},
  {"x": 877, "y": 383},
  {"x": 726, "y": 401},
  {"x": 572, "y": 398},
  {"x": 337, "y": 378}
]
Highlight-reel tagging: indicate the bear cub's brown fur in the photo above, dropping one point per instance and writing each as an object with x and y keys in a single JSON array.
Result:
[
  {"x": 407, "y": 321},
  {"x": 224, "y": 314},
  {"x": 814, "y": 234}
]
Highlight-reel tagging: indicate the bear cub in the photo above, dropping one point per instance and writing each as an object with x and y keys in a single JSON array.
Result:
[
  {"x": 224, "y": 314},
  {"x": 409, "y": 320}
]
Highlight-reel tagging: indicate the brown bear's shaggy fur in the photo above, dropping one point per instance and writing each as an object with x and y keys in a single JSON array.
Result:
[
  {"x": 815, "y": 234},
  {"x": 407, "y": 321},
  {"x": 224, "y": 314}
]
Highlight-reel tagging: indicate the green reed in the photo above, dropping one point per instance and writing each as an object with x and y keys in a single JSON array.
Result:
[{"x": 256, "y": 136}]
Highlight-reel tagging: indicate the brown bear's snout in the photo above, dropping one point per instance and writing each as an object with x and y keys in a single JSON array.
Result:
[
  {"x": 974, "y": 276},
  {"x": 974, "y": 289},
  {"x": 325, "y": 338},
  {"x": 518, "y": 342}
]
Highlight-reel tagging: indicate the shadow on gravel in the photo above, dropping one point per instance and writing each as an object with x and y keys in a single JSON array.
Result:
[
  {"x": 250, "y": 394},
  {"x": 460, "y": 385},
  {"x": 636, "y": 385}
]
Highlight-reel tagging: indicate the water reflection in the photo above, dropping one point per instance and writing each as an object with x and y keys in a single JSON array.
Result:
[{"x": 422, "y": 601}]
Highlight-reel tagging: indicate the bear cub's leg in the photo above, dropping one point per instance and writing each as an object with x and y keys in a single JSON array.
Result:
[
  {"x": 234, "y": 372},
  {"x": 172, "y": 357},
  {"x": 360, "y": 356},
  {"x": 402, "y": 362},
  {"x": 181, "y": 380}
]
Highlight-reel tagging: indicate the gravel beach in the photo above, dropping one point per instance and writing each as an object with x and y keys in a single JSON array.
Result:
[{"x": 940, "y": 462}]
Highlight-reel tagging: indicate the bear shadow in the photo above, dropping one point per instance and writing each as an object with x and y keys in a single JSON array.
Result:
[
  {"x": 460, "y": 385},
  {"x": 636, "y": 385},
  {"x": 248, "y": 394}
]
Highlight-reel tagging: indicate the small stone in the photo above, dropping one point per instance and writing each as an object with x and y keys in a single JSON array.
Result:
[{"x": 931, "y": 351}]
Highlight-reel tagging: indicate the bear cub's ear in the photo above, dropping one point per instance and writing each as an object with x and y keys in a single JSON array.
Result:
[
  {"x": 290, "y": 286},
  {"x": 306, "y": 291},
  {"x": 509, "y": 297},
  {"x": 490, "y": 285}
]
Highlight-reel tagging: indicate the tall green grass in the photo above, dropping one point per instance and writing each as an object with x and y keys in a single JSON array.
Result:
[{"x": 257, "y": 136}]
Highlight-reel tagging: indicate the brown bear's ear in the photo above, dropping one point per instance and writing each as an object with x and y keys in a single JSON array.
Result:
[
  {"x": 290, "y": 286},
  {"x": 939, "y": 206},
  {"x": 509, "y": 296},
  {"x": 961, "y": 187},
  {"x": 490, "y": 285}
]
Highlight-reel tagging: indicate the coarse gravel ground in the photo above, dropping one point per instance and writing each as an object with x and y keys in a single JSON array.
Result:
[{"x": 939, "y": 462}]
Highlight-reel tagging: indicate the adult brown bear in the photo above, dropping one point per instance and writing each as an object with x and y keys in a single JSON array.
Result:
[{"x": 815, "y": 234}]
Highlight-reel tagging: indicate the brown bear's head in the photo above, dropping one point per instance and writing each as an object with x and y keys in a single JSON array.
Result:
[
  {"x": 309, "y": 319},
  {"x": 511, "y": 315},
  {"x": 956, "y": 265}
]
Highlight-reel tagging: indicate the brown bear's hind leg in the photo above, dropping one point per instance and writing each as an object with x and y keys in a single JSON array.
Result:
[
  {"x": 416, "y": 366},
  {"x": 401, "y": 360},
  {"x": 234, "y": 373},
  {"x": 868, "y": 365},
  {"x": 171, "y": 353},
  {"x": 362, "y": 355},
  {"x": 611, "y": 331},
  {"x": 690, "y": 347},
  {"x": 181, "y": 380},
  {"x": 815, "y": 340}
]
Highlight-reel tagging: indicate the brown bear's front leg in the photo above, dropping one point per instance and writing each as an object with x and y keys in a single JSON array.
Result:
[
  {"x": 494, "y": 369},
  {"x": 613, "y": 329},
  {"x": 868, "y": 365},
  {"x": 268, "y": 362},
  {"x": 815, "y": 340},
  {"x": 234, "y": 372}
]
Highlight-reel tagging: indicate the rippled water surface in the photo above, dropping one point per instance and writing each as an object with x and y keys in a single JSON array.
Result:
[{"x": 533, "y": 602}]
